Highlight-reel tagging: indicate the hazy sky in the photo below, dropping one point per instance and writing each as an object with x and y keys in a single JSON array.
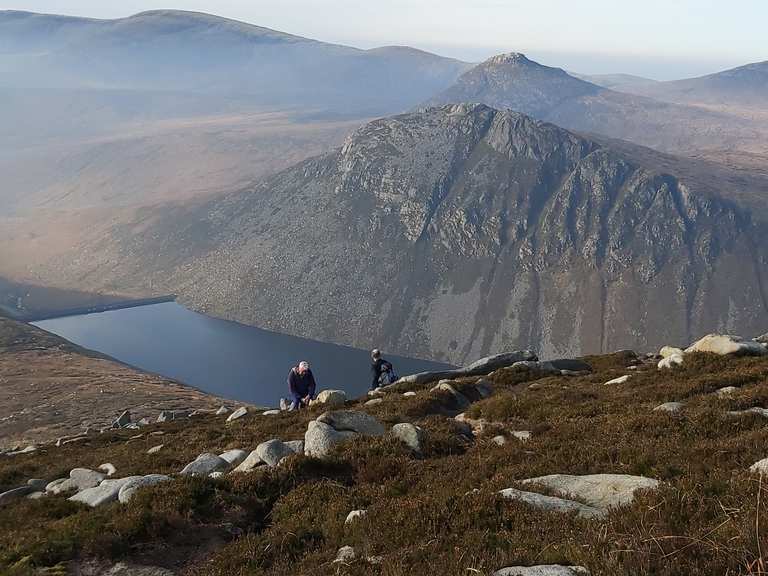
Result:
[{"x": 658, "y": 38}]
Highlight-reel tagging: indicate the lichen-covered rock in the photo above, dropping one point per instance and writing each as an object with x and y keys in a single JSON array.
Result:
[
  {"x": 104, "y": 493},
  {"x": 234, "y": 456},
  {"x": 543, "y": 570},
  {"x": 272, "y": 451},
  {"x": 331, "y": 398},
  {"x": 354, "y": 421},
  {"x": 320, "y": 438},
  {"x": 551, "y": 503},
  {"x": 669, "y": 407},
  {"x": 410, "y": 435},
  {"x": 667, "y": 351},
  {"x": 251, "y": 461},
  {"x": 204, "y": 465},
  {"x": 724, "y": 344},
  {"x": 670, "y": 361},
  {"x": 598, "y": 490},
  {"x": 135, "y": 484}
]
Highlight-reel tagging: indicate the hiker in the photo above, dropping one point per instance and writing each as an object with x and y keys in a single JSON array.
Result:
[
  {"x": 381, "y": 370},
  {"x": 301, "y": 384}
]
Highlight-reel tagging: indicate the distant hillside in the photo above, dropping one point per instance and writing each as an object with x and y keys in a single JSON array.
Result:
[
  {"x": 620, "y": 82},
  {"x": 53, "y": 388},
  {"x": 745, "y": 86},
  {"x": 512, "y": 81},
  {"x": 175, "y": 51},
  {"x": 450, "y": 233}
]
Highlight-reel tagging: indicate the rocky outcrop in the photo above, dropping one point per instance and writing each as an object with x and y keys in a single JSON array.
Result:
[
  {"x": 107, "y": 491},
  {"x": 480, "y": 367}
]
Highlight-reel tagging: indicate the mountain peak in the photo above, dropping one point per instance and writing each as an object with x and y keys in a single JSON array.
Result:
[{"x": 517, "y": 58}]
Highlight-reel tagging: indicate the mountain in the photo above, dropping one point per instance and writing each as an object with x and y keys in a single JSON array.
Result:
[
  {"x": 450, "y": 233},
  {"x": 745, "y": 86},
  {"x": 515, "y": 82},
  {"x": 176, "y": 51}
]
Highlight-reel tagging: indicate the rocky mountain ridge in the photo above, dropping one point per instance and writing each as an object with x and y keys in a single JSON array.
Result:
[{"x": 452, "y": 233}]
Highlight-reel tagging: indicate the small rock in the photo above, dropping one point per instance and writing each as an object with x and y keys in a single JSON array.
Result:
[
  {"x": 130, "y": 488},
  {"x": 410, "y": 435},
  {"x": 123, "y": 420},
  {"x": 271, "y": 413},
  {"x": 462, "y": 401},
  {"x": 82, "y": 478},
  {"x": 409, "y": 393},
  {"x": 670, "y": 362},
  {"x": 108, "y": 469},
  {"x": 272, "y": 451},
  {"x": 239, "y": 413},
  {"x": 14, "y": 494},
  {"x": 477, "y": 425},
  {"x": 331, "y": 398},
  {"x": 727, "y": 344},
  {"x": 756, "y": 410},
  {"x": 499, "y": 440},
  {"x": 726, "y": 391},
  {"x": 320, "y": 438},
  {"x": 234, "y": 457},
  {"x": 374, "y": 401},
  {"x": 204, "y": 465},
  {"x": 668, "y": 351},
  {"x": 353, "y": 421},
  {"x": 354, "y": 515},
  {"x": 543, "y": 570},
  {"x": 155, "y": 449},
  {"x": 522, "y": 435},
  {"x": 251, "y": 461},
  {"x": 760, "y": 466},
  {"x": 619, "y": 380},
  {"x": 144, "y": 422},
  {"x": 345, "y": 554},
  {"x": 762, "y": 339},
  {"x": 221, "y": 411},
  {"x": 669, "y": 407},
  {"x": 53, "y": 487},
  {"x": 36, "y": 495}
]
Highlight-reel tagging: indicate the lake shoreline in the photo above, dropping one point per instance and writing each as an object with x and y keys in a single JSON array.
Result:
[{"x": 23, "y": 316}]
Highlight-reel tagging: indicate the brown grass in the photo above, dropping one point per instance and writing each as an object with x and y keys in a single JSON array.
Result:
[{"x": 424, "y": 515}]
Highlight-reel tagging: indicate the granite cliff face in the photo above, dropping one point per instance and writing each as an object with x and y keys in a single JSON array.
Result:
[{"x": 452, "y": 233}]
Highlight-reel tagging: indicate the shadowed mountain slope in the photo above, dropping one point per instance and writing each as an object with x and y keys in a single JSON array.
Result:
[{"x": 450, "y": 233}]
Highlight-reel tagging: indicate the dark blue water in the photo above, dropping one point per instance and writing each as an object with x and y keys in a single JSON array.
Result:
[{"x": 224, "y": 358}]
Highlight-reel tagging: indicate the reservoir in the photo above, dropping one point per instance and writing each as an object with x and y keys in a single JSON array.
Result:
[{"x": 220, "y": 357}]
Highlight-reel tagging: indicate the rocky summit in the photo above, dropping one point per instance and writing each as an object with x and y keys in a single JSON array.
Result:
[
  {"x": 509, "y": 466},
  {"x": 457, "y": 232}
]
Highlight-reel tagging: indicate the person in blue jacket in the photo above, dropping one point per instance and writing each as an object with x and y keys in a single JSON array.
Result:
[{"x": 301, "y": 384}]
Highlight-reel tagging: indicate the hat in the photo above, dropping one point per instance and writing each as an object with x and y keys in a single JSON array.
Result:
[
  {"x": 375, "y": 352},
  {"x": 304, "y": 364}
]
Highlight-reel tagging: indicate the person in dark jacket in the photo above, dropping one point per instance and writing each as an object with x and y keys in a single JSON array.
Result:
[
  {"x": 301, "y": 384},
  {"x": 379, "y": 366}
]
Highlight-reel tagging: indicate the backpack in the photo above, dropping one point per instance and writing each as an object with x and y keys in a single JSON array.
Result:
[{"x": 388, "y": 375}]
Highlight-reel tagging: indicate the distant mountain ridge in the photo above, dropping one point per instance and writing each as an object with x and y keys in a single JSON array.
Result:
[
  {"x": 514, "y": 82},
  {"x": 451, "y": 233},
  {"x": 171, "y": 50}
]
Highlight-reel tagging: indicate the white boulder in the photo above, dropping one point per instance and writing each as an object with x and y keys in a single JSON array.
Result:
[
  {"x": 204, "y": 464},
  {"x": 727, "y": 344},
  {"x": 130, "y": 488}
]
